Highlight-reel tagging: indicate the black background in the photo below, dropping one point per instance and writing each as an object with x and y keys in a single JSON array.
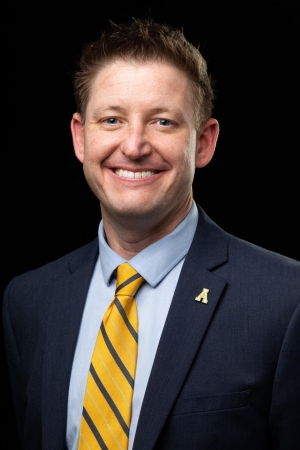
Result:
[{"x": 251, "y": 186}]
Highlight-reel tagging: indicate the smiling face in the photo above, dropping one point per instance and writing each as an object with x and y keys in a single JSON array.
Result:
[{"x": 139, "y": 145}]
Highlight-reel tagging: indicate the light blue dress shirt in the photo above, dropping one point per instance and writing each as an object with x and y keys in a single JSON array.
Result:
[{"x": 160, "y": 265}]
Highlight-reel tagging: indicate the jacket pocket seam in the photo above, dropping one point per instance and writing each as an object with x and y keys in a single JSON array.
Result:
[{"x": 203, "y": 404}]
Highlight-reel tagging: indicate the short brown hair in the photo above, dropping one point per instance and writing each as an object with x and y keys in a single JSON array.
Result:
[{"x": 143, "y": 40}]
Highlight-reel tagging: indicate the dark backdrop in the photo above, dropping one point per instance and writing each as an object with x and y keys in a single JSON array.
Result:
[{"x": 251, "y": 186}]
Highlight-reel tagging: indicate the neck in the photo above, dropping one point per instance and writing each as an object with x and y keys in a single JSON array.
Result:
[{"x": 128, "y": 237}]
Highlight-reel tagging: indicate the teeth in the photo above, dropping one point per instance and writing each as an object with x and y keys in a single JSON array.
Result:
[{"x": 129, "y": 174}]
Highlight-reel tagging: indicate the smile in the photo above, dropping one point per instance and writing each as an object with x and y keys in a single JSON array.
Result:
[{"x": 129, "y": 174}]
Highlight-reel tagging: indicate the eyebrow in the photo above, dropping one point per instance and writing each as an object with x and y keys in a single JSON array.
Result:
[
  {"x": 178, "y": 113},
  {"x": 98, "y": 111}
]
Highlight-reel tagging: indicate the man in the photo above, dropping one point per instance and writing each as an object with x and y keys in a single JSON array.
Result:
[{"x": 218, "y": 326}]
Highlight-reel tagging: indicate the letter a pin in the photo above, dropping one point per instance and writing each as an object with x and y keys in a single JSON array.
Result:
[{"x": 202, "y": 297}]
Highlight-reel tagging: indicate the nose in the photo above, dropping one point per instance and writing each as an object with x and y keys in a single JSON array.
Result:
[{"x": 136, "y": 142}]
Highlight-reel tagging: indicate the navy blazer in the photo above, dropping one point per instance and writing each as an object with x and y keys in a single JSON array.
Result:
[{"x": 226, "y": 374}]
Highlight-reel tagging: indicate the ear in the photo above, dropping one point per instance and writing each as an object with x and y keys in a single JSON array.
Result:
[
  {"x": 77, "y": 131},
  {"x": 207, "y": 140}
]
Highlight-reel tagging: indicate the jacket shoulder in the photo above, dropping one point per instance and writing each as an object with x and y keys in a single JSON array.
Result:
[
  {"x": 259, "y": 258},
  {"x": 52, "y": 272}
]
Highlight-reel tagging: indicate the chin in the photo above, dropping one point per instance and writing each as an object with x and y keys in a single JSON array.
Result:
[{"x": 136, "y": 210}]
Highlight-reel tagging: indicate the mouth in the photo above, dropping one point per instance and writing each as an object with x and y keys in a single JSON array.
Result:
[{"x": 129, "y": 174}]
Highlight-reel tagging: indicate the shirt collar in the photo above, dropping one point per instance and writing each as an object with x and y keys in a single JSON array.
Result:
[{"x": 156, "y": 260}]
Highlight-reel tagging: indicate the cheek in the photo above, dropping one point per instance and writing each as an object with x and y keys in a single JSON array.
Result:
[
  {"x": 188, "y": 156},
  {"x": 187, "y": 166},
  {"x": 96, "y": 149},
  {"x": 176, "y": 151}
]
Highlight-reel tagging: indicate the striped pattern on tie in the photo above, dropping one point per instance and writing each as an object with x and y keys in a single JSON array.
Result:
[{"x": 108, "y": 398}]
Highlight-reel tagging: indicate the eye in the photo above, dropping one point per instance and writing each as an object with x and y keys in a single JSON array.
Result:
[
  {"x": 164, "y": 122},
  {"x": 111, "y": 120}
]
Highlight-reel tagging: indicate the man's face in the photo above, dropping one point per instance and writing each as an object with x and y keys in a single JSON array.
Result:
[{"x": 139, "y": 144}]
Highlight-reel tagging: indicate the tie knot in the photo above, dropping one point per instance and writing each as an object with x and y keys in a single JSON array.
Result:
[{"x": 128, "y": 280}]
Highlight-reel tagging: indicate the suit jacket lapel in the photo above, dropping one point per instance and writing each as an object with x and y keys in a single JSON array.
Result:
[
  {"x": 66, "y": 310},
  {"x": 184, "y": 329}
]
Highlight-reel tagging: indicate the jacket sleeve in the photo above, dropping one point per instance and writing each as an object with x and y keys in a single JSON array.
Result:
[
  {"x": 285, "y": 409},
  {"x": 14, "y": 364}
]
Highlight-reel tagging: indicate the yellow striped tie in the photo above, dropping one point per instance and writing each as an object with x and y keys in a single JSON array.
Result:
[{"x": 108, "y": 398}]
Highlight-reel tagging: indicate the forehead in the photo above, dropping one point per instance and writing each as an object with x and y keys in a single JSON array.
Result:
[{"x": 141, "y": 84}]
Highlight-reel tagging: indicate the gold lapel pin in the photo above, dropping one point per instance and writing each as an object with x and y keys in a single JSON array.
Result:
[{"x": 202, "y": 297}]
